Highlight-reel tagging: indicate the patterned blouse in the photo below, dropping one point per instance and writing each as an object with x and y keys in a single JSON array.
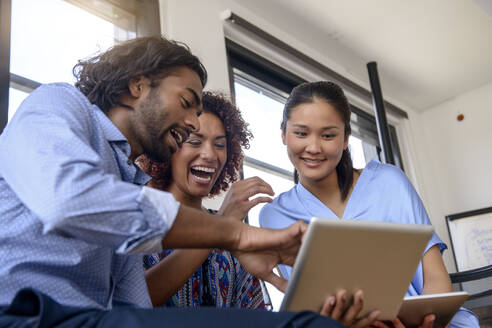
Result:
[{"x": 221, "y": 282}]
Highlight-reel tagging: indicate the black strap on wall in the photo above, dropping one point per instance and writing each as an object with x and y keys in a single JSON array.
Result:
[
  {"x": 382, "y": 124},
  {"x": 5, "y": 17}
]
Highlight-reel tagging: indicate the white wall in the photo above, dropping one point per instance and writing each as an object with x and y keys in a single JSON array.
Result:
[
  {"x": 457, "y": 174},
  {"x": 437, "y": 150},
  {"x": 198, "y": 24}
]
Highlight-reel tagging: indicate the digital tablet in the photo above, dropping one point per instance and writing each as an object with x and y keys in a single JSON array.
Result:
[
  {"x": 378, "y": 257},
  {"x": 444, "y": 306}
]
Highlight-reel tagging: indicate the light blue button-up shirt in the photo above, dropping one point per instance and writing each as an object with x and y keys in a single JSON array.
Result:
[{"x": 72, "y": 207}]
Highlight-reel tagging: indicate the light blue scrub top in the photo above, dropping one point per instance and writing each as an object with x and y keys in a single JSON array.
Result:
[{"x": 382, "y": 192}]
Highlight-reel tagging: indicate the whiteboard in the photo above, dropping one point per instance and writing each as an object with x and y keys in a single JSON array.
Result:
[{"x": 471, "y": 237}]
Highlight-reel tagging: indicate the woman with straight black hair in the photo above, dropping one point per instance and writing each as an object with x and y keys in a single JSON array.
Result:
[{"x": 316, "y": 129}]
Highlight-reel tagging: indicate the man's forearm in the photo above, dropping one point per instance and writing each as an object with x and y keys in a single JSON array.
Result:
[{"x": 194, "y": 228}]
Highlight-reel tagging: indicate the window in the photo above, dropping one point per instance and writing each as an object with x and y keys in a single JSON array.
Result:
[{"x": 48, "y": 37}]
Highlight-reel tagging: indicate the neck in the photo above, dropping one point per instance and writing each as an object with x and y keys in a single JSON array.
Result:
[
  {"x": 120, "y": 116},
  {"x": 326, "y": 188},
  {"x": 328, "y": 192},
  {"x": 184, "y": 198}
]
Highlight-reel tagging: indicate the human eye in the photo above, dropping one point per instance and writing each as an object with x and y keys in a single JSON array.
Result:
[
  {"x": 300, "y": 133},
  {"x": 185, "y": 103},
  {"x": 194, "y": 142},
  {"x": 220, "y": 145},
  {"x": 328, "y": 135}
]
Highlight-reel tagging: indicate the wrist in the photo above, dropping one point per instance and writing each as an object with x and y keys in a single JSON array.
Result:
[{"x": 234, "y": 230}]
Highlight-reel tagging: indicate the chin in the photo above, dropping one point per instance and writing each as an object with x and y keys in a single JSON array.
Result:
[
  {"x": 311, "y": 177},
  {"x": 199, "y": 192},
  {"x": 315, "y": 176}
]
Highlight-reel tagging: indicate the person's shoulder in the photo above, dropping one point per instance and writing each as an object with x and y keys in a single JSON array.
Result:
[
  {"x": 283, "y": 200},
  {"x": 387, "y": 173},
  {"x": 280, "y": 207},
  {"x": 60, "y": 99},
  {"x": 59, "y": 89}
]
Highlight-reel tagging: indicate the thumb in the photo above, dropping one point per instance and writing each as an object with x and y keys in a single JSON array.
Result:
[{"x": 299, "y": 228}]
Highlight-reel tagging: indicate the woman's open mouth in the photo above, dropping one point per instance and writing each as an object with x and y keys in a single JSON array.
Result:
[{"x": 203, "y": 174}]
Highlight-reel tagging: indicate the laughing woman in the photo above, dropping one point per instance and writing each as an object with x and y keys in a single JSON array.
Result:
[{"x": 206, "y": 164}]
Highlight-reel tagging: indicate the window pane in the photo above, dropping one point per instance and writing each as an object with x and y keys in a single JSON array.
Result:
[
  {"x": 264, "y": 115},
  {"x": 49, "y": 36},
  {"x": 15, "y": 99},
  {"x": 370, "y": 151},
  {"x": 357, "y": 152}
]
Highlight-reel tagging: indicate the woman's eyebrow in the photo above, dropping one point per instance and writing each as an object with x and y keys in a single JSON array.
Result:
[{"x": 297, "y": 125}]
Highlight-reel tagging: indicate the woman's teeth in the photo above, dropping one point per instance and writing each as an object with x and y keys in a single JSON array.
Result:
[
  {"x": 204, "y": 169},
  {"x": 207, "y": 179}
]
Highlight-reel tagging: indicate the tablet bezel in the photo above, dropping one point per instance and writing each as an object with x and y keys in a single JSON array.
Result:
[
  {"x": 444, "y": 306},
  {"x": 362, "y": 246}
]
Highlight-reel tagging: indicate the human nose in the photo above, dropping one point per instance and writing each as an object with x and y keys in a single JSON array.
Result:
[
  {"x": 208, "y": 152},
  {"x": 313, "y": 146},
  {"x": 192, "y": 122}
]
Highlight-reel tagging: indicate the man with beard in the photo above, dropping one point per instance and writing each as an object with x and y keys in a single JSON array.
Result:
[{"x": 75, "y": 215}]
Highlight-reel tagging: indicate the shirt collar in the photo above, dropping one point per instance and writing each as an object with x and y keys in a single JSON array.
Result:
[{"x": 141, "y": 178}]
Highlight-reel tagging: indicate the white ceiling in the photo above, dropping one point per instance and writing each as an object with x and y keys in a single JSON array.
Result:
[{"x": 427, "y": 51}]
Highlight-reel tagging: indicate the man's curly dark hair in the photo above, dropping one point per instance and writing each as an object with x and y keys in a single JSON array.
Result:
[
  {"x": 237, "y": 135},
  {"x": 104, "y": 78}
]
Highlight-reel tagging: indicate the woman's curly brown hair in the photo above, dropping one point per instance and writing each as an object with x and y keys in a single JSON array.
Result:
[{"x": 237, "y": 135}]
